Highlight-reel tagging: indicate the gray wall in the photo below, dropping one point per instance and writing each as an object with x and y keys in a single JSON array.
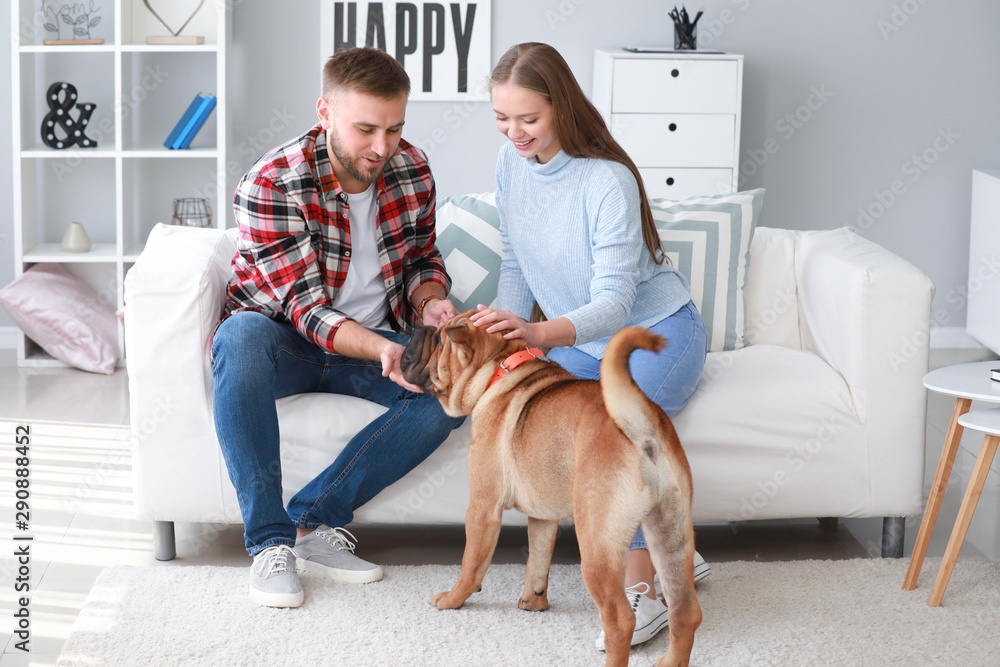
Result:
[
  {"x": 862, "y": 113},
  {"x": 6, "y": 164}
]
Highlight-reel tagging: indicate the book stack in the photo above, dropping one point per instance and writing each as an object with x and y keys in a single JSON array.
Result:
[{"x": 192, "y": 120}]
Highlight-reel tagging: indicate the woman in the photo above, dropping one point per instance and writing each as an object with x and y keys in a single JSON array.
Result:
[{"x": 579, "y": 241}]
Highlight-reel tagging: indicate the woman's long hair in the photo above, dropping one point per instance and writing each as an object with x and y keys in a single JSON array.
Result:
[{"x": 580, "y": 128}]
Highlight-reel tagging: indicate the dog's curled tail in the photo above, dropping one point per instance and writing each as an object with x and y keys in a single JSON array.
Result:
[{"x": 628, "y": 406}]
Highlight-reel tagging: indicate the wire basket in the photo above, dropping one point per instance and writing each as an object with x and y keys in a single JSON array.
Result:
[{"x": 192, "y": 212}]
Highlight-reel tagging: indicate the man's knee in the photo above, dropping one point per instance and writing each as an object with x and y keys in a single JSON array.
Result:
[{"x": 243, "y": 332}]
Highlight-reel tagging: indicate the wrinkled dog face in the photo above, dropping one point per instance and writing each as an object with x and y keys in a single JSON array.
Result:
[{"x": 455, "y": 361}]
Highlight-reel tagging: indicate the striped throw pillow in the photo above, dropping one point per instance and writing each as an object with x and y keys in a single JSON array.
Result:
[
  {"x": 468, "y": 236},
  {"x": 708, "y": 240}
]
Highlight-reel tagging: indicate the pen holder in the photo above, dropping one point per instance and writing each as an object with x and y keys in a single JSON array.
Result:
[{"x": 685, "y": 40}]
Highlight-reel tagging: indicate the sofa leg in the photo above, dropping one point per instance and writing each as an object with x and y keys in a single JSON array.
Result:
[
  {"x": 893, "y": 528},
  {"x": 164, "y": 546}
]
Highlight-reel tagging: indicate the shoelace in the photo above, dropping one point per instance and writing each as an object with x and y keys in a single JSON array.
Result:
[
  {"x": 635, "y": 592},
  {"x": 338, "y": 537},
  {"x": 275, "y": 560}
]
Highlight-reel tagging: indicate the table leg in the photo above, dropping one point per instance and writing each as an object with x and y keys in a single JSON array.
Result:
[
  {"x": 979, "y": 474},
  {"x": 938, "y": 488}
]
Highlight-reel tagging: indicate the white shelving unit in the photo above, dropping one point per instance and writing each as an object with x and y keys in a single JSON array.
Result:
[
  {"x": 125, "y": 185},
  {"x": 677, "y": 115}
]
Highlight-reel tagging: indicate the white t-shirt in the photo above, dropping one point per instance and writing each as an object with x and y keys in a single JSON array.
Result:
[{"x": 363, "y": 297}]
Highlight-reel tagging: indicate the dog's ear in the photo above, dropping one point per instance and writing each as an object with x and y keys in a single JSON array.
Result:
[{"x": 461, "y": 336}]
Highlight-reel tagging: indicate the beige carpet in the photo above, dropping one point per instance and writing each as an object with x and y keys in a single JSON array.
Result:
[{"x": 847, "y": 612}]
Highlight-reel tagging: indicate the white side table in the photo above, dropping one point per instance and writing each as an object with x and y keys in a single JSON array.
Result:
[
  {"x": 987, "y": 421},
  {"x": 966, "y": 382}
]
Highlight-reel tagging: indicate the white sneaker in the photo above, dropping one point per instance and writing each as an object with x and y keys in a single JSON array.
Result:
[
  {"x": 273, "y": 580},
  {"x": 329, "y": 552},
  {"x": 650, "y": 615},
  {"x": 701, "y": 568}
]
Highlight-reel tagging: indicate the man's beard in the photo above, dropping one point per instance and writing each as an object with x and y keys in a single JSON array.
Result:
[{"x": 352, "y": 163}]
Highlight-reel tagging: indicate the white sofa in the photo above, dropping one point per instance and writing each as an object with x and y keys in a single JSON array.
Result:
[{"x": 823, "y": 415}]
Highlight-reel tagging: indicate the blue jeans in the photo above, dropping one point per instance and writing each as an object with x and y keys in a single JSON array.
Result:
[
  {"x": 257, "y": 360},
  {"x": 669, "y": 377}
]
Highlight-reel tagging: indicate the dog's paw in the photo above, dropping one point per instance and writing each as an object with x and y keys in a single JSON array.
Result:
[
  {"x": 533, "y": 603},
  {"x": 446, "y": 600}
]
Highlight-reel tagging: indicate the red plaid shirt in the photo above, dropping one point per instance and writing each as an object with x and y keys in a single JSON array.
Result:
[{"x": 295, "y": 243}]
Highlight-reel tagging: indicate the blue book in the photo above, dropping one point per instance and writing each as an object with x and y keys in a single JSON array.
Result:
[
  {"x": 200, "y": 118},
  {"x": 184, "y": 140},
  {"x": 182, "y": 123}
]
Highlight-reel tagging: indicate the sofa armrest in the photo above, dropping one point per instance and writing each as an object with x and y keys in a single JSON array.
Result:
[
  {"x": 866, "y": 312},
  {"x": 174, "y": 296}
]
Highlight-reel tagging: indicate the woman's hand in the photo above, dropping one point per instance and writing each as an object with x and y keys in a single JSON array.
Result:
[
  {"x": 559, "y": 332},
  {"x": 507, "y": 322}
]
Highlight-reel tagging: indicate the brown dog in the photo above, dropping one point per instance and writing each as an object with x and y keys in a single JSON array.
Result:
[{"x": 552, "y": 446}]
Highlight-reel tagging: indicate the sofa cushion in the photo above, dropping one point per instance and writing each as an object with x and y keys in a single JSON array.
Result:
[
  {"x": 771, "y": 293},
  {"x": 430, "y": 493},
  {"x": 767, "y": 422},
  {"x": 468, "y": 236},
  {"x": 708, "y": 240}
]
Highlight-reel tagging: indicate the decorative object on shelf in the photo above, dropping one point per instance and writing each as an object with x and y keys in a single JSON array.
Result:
[
  {"x": 192, "y": 120},
  {"x": 75, "y": 18},
  {"x": 685, "y": 33},
  {"x": 185, "y": 119},
  {"x": 192, "y": 212},
  {"x": 61, "y": 98},
  {"x": 174, "y": 37},
  {"x": 75, "y": 239}
]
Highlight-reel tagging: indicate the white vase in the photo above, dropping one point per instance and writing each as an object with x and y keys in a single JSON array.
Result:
[{"x": 75, "y": 239}]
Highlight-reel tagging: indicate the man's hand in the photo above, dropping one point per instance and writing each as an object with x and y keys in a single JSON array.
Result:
[
  {"x": 389, "y": 356},
  {"x": 438, "y": 311}
]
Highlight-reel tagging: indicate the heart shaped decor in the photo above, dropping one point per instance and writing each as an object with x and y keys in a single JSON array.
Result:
[{"x": 169, "y": 29}]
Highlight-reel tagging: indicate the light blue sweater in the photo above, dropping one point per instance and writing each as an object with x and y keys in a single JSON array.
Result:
[{"x": 572, "y": 240}]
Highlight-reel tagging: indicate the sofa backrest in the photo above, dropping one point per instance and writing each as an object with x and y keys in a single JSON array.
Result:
[
  {"x": 771, "y": 294},
  {"x": 469, "y": 239},
  {"x": 468, "y": 228}
]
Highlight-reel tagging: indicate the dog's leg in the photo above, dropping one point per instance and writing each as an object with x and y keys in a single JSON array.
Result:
[
  {"x": 670, "y": 536},
  {"x": 482, "y": 530},
  {"x": 602, "y": 563},
  {"x": 541, "y": 542}
]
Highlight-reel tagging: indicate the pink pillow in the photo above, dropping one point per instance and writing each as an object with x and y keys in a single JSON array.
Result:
[{"x": 65, "y": 317}]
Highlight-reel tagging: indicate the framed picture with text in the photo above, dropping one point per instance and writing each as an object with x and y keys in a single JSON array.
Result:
[{"x": 445, "y": 47}]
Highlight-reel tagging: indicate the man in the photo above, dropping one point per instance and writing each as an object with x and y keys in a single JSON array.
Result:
[{"x": 336, "y": 254}]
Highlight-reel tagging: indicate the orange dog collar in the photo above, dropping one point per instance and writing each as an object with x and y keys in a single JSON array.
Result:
[{"x": 515, "y": 360}]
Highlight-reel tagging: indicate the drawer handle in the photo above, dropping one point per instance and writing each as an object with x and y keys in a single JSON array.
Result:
[
  {"x": 670, "y": 180},
  {"x": 675, "y": 73},
  {"x": 672, "y": 127}
]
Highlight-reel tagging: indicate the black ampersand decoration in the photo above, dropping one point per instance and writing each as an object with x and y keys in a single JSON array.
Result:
[{"x": 61, "y": 98}]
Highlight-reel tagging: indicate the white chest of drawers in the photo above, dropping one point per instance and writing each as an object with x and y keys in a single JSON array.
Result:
[{"x": 676, "y": 115}]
